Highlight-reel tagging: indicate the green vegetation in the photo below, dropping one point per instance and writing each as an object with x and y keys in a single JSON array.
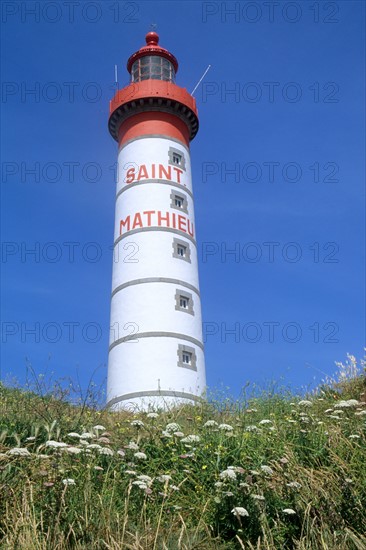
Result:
[{"x": 276, "y": 471}]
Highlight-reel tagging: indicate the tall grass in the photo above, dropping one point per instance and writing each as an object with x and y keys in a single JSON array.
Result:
[{"x": 272, "y": 472}]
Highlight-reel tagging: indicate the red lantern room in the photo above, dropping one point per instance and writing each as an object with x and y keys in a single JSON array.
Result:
[{"x": 152, "y": 100}]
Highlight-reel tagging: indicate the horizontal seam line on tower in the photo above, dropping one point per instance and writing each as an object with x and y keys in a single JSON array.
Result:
[
  {"x": 155, "y": 280},
  {"x": 153, "y": 393},
  {"x": 155, "y": 334},
  {"x": 159, "y": 182},
  {"x": 143, "y": 229}
]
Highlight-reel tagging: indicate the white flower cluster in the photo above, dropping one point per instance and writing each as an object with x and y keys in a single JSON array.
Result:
[
  {"x": 346, "y": 404},
  {"x": 239, "y": 511},
  {"x": 191, "y": 439},
  {"x": 137, "y": 423},
  {"x": 225, "y": 427},
  {"x": 229, "y": 473},
  {"x": 210, "y": 424},
  {"x": 172, "y": 427},
  {"x": 18, "y": 451}
]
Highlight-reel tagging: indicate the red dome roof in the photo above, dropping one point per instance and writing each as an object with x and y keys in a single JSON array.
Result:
[{"x": 152, "y": 48}]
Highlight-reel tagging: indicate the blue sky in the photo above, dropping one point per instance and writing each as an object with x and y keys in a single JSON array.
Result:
[{"x": 278, "y": 176}]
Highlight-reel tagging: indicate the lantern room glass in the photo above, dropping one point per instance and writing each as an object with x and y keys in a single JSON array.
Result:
[{"x": 152, "y": 67}]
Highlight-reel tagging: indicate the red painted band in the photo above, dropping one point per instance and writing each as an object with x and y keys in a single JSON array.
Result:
[{"x": 153, "y": 122}]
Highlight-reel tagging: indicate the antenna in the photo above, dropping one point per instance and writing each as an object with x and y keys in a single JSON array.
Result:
[
  {"x": 115, "y": 75},
  {"x": 200, "y": 80}
]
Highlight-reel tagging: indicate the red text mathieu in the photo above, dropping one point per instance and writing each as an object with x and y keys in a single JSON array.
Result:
[
  {"x": 153, "y": 171},
  {"x": 156, "y": 218}
]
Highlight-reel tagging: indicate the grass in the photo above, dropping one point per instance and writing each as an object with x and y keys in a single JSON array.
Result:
[{"x": 278, "y": 471}]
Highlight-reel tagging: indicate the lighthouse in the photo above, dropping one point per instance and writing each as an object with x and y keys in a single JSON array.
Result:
[{"x": 156, "y": 353}]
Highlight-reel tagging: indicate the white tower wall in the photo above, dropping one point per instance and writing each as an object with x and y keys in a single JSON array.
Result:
[{"x": 151, "y": 330}]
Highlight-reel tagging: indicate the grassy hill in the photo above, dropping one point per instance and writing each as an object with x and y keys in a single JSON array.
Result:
[{"x": 277, "y": 471}]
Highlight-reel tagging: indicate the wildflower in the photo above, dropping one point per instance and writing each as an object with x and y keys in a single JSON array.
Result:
[
  {"x": 361, "y": 413},
  {"x": 228, "y": 474},
  {"x": 346, "y": 404},
  {"x": 140, "y": 484},
  {"x": 244, "y": 485},
  {"x": 140, "y": 456},
  {"x": 55, "y": 444},
  {"x": 99, "y": 427},
  {"x": 137, "y": 423},
  {"x": 130, "y": 472},
  {"x": 228, "y": 494},
  {"x": 73, "y": 450},
  {"x": 267, "y": 470},
  {"x": 164, "y": 433},
  {"x": 225, "y": 427},
  {"x": 32, "y": 438},
  {"x": 354, "y": 436},
  {"x": 68, "y": 481},
  {"x": 178, "y": 434},
  {"x": 328, "y": 411},
  {"x": 133, "y": 446},
  {"x": 105, "y": 451},
  {"x": 210, "y": 424},
  {"x": 174, "y": 488},
  {"x": 144, "y": 478},
  {"x": 218, "y": 484},
  {"x": 252, "y": 428},
  {"x": 172, "y": 427},
  {"x": 305, "y": 403},
  {"x": 294, "y": 484},
  {"x": 348, "y": 480},
  {"x": 19, "y": 451},
  {"x": 289, "y": 511},
  {"x": 265, "y": 421},
  {"x": 164, "y": 478},
  {"x": 94, "y": 446},
  {"x": 191, "y": 439},
  {"x": 239, "y": 511},
  {"x": 120, "y": 452},
  {"x": 87, "y": 435},
  {"x": 254, "y": 472},
  {"x": 103, "y": 440},
  {"x": 74, "y": 434},
  {"x": 152, "y": 415},
  {"x": 258, "y": 497}
]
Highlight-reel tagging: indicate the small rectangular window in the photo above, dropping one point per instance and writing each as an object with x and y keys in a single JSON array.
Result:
[
  {"x": 187, "y": 358},
  {"x": 178, "y": 201},
  {"x": 181, "y": 250},
  {"x": 177, "y": 157},
  {"x": 184, "y": 301}
]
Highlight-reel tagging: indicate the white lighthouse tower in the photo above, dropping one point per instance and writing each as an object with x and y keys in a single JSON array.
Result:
[{"x": 156, "y": 356}]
